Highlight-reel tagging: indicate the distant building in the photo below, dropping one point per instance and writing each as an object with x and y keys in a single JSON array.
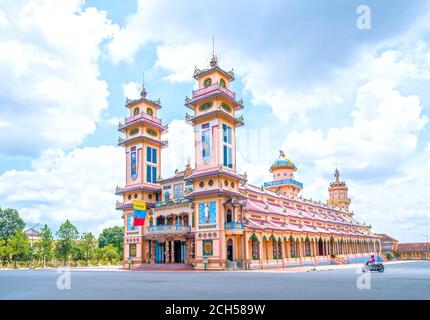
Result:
[
  {"x": 413, "y": 251},
  {"x": 33, "y": 235},
  {"x": 388, "y": 244}
]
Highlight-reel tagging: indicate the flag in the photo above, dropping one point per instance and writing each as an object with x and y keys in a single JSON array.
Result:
[{"x": 139, "y": 210}]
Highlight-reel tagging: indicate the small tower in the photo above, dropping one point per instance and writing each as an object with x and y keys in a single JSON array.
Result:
[
  {"x": 283, "y": 178},
  {"x": 142, "y": 144},
  {"x": 338, "y": 194}
]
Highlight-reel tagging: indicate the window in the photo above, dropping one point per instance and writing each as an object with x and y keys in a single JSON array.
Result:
[
  {"x": 222, "y": 83},
  {"x": 149, "y": 111},
  {"x": 207, "y": 82},
  {"x": 151, "y": 155},
  {"x": 227, "y": 149},
  {"x": 151, "y": 173},
  {"x": 136, "y": 111},
  {"x": 292, "y": 248}
]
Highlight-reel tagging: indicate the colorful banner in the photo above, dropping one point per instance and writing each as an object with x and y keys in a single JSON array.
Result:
[
  {"x": 139, "y": 210},
  {"x": 133, "y": 163}
]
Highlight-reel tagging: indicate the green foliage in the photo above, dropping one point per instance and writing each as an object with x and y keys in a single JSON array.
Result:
[
  {"x": 67, "y": 234},
  {"x": 45, "y": 245},
  {"x": 88, "y": 244},
  {"x": 389, "y": 256},
  {"x": 114, "y": 236},
  {"x": 110, "y": 253},
  {"x": 19, "y": 247},
  {"x": 10, "y": 223}
]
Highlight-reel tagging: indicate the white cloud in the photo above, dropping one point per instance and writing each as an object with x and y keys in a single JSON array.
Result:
[
  {"x": 385, "y": 124},
  {"x": 131, "y": 90},
  {"x": 50, "y": 88},
  {"x": 180, "y": 149},
  {"x": 79, "y": 185}
]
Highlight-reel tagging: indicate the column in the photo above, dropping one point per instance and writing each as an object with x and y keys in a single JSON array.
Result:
[
  {"x": 187, "y": 253},
  {"x": 147, "y": 251},
  {"x": 167, "y": 251},
  {"x": 172, "y": 252},
  {"x": 153, "y": 251},
  {"x": 260, "y": 248}
]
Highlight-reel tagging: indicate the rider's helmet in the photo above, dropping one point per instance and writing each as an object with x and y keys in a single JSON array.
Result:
[{"x": 372, "y": 256}]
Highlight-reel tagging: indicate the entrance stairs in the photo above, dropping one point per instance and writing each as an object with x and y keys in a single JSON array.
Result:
[{"x": 163, "y": 267}]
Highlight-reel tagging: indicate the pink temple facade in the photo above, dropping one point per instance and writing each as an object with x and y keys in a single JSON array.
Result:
[{"x": 208, "y": 216}]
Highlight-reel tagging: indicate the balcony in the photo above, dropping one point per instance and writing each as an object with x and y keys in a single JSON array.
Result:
[
  {"x": 169, "y": 228},
  {"x": 141, "y": 117},
  {"x": 214, "y": 87},
  {"x": 234, "y": 225},
  {"x": 282, "y": 182},
  {"x": 122, "y": 141},
  {"x": 159, "y": 204}
]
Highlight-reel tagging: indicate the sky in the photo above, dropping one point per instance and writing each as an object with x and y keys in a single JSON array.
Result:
[{"x": 313, "y": 83}]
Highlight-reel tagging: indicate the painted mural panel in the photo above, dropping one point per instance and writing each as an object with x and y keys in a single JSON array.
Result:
[
  {"x": 178, "y": 191},
  {"x": 133, "y": 163},
  {"x": 207, "y": 213},
  {"x": 130, "y": 223},
  {"x": 208, "y": 248}
]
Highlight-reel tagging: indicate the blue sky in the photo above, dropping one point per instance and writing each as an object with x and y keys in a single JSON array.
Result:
[{"x": 312, "y": 82}]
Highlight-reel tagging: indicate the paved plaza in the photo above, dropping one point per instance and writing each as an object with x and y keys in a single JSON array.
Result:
[{"x": 399, "y": 281}]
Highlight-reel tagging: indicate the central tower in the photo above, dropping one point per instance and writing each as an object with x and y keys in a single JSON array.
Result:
[{"x": 216, "y": 196}]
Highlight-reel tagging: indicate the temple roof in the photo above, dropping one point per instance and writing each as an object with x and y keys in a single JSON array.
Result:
[{"x": 283, "y": 162}]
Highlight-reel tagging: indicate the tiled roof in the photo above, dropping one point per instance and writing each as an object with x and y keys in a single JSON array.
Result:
[
  {"x": 413, "y": 247},
  {"x": 385, "y": 237}
]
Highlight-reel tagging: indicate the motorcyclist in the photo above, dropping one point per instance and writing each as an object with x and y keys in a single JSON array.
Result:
[{"x": 372, "y": 260}]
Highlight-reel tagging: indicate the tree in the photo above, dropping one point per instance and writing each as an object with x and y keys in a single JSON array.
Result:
[
  {"x": 4, "y": 251},
  {"x": 88, "y": 244},
  {"x": 45, "y": 244},
  {"x": 67, "y": 234},
  {"x": 19, "y": 247},
  {"x": 110, "y": 253},
  {"x": 114, "y": 236},
  {"x": 10, "y": 223}
]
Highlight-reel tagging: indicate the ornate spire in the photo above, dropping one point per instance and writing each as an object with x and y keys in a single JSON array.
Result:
[
  {"x": 143, "y": 93},
  {"x": 337, "y": 175},
  {"x": 214, "y": 58}
]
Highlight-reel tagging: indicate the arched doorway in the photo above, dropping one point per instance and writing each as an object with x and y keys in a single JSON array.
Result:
[{"x": 230, "y": 249}]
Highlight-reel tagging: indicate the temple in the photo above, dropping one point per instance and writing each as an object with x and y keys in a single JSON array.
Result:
[{"x": 208, "y": 216}]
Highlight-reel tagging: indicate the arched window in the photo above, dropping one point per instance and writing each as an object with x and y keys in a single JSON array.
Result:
[
  {"x": 229, "y": 216},
  {"x": 292, "y": 247},
  {"x": 279, "y": 249},
  {"x": 222, "y": 83},
  {"x": 136, "y": 111},
  {"x": 307, "y": 248},
  {"x": 255, "y": 245},
  {"x": 207, "y": 82},
  {"x": 149, "y": 111}
]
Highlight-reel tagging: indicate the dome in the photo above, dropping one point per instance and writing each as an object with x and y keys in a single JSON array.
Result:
[{"x": 283, "y": 162}]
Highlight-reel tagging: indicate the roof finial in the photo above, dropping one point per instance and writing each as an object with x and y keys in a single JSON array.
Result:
[
  {"x": 281, "y": 154},
  {"x": 143, "y": 92},
  {"x": 337, "y": 174},
  {"x": 214, "y": 58}
]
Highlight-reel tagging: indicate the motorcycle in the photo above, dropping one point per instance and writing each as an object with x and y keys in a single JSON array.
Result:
[{"x": 377, "y": 266}]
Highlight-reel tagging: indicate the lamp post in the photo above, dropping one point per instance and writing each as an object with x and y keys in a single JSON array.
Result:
[{"x": 427, "y": 245}]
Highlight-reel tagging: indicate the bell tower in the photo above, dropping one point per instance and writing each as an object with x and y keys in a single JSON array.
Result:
[
  {"x": 215, "y": 180},
  {"x": 142, "y": 144},
  {"x": 338, "y": 193}
]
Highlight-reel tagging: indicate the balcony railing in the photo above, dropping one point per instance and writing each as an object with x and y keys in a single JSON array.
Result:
[
  {"x": 213, "y": 87},
  {"x": 169, "y": 228},
  {"x": 234, "y": 226},
  {"x": 142, "y": 116},
  {"x": 284, "y": 181}
]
